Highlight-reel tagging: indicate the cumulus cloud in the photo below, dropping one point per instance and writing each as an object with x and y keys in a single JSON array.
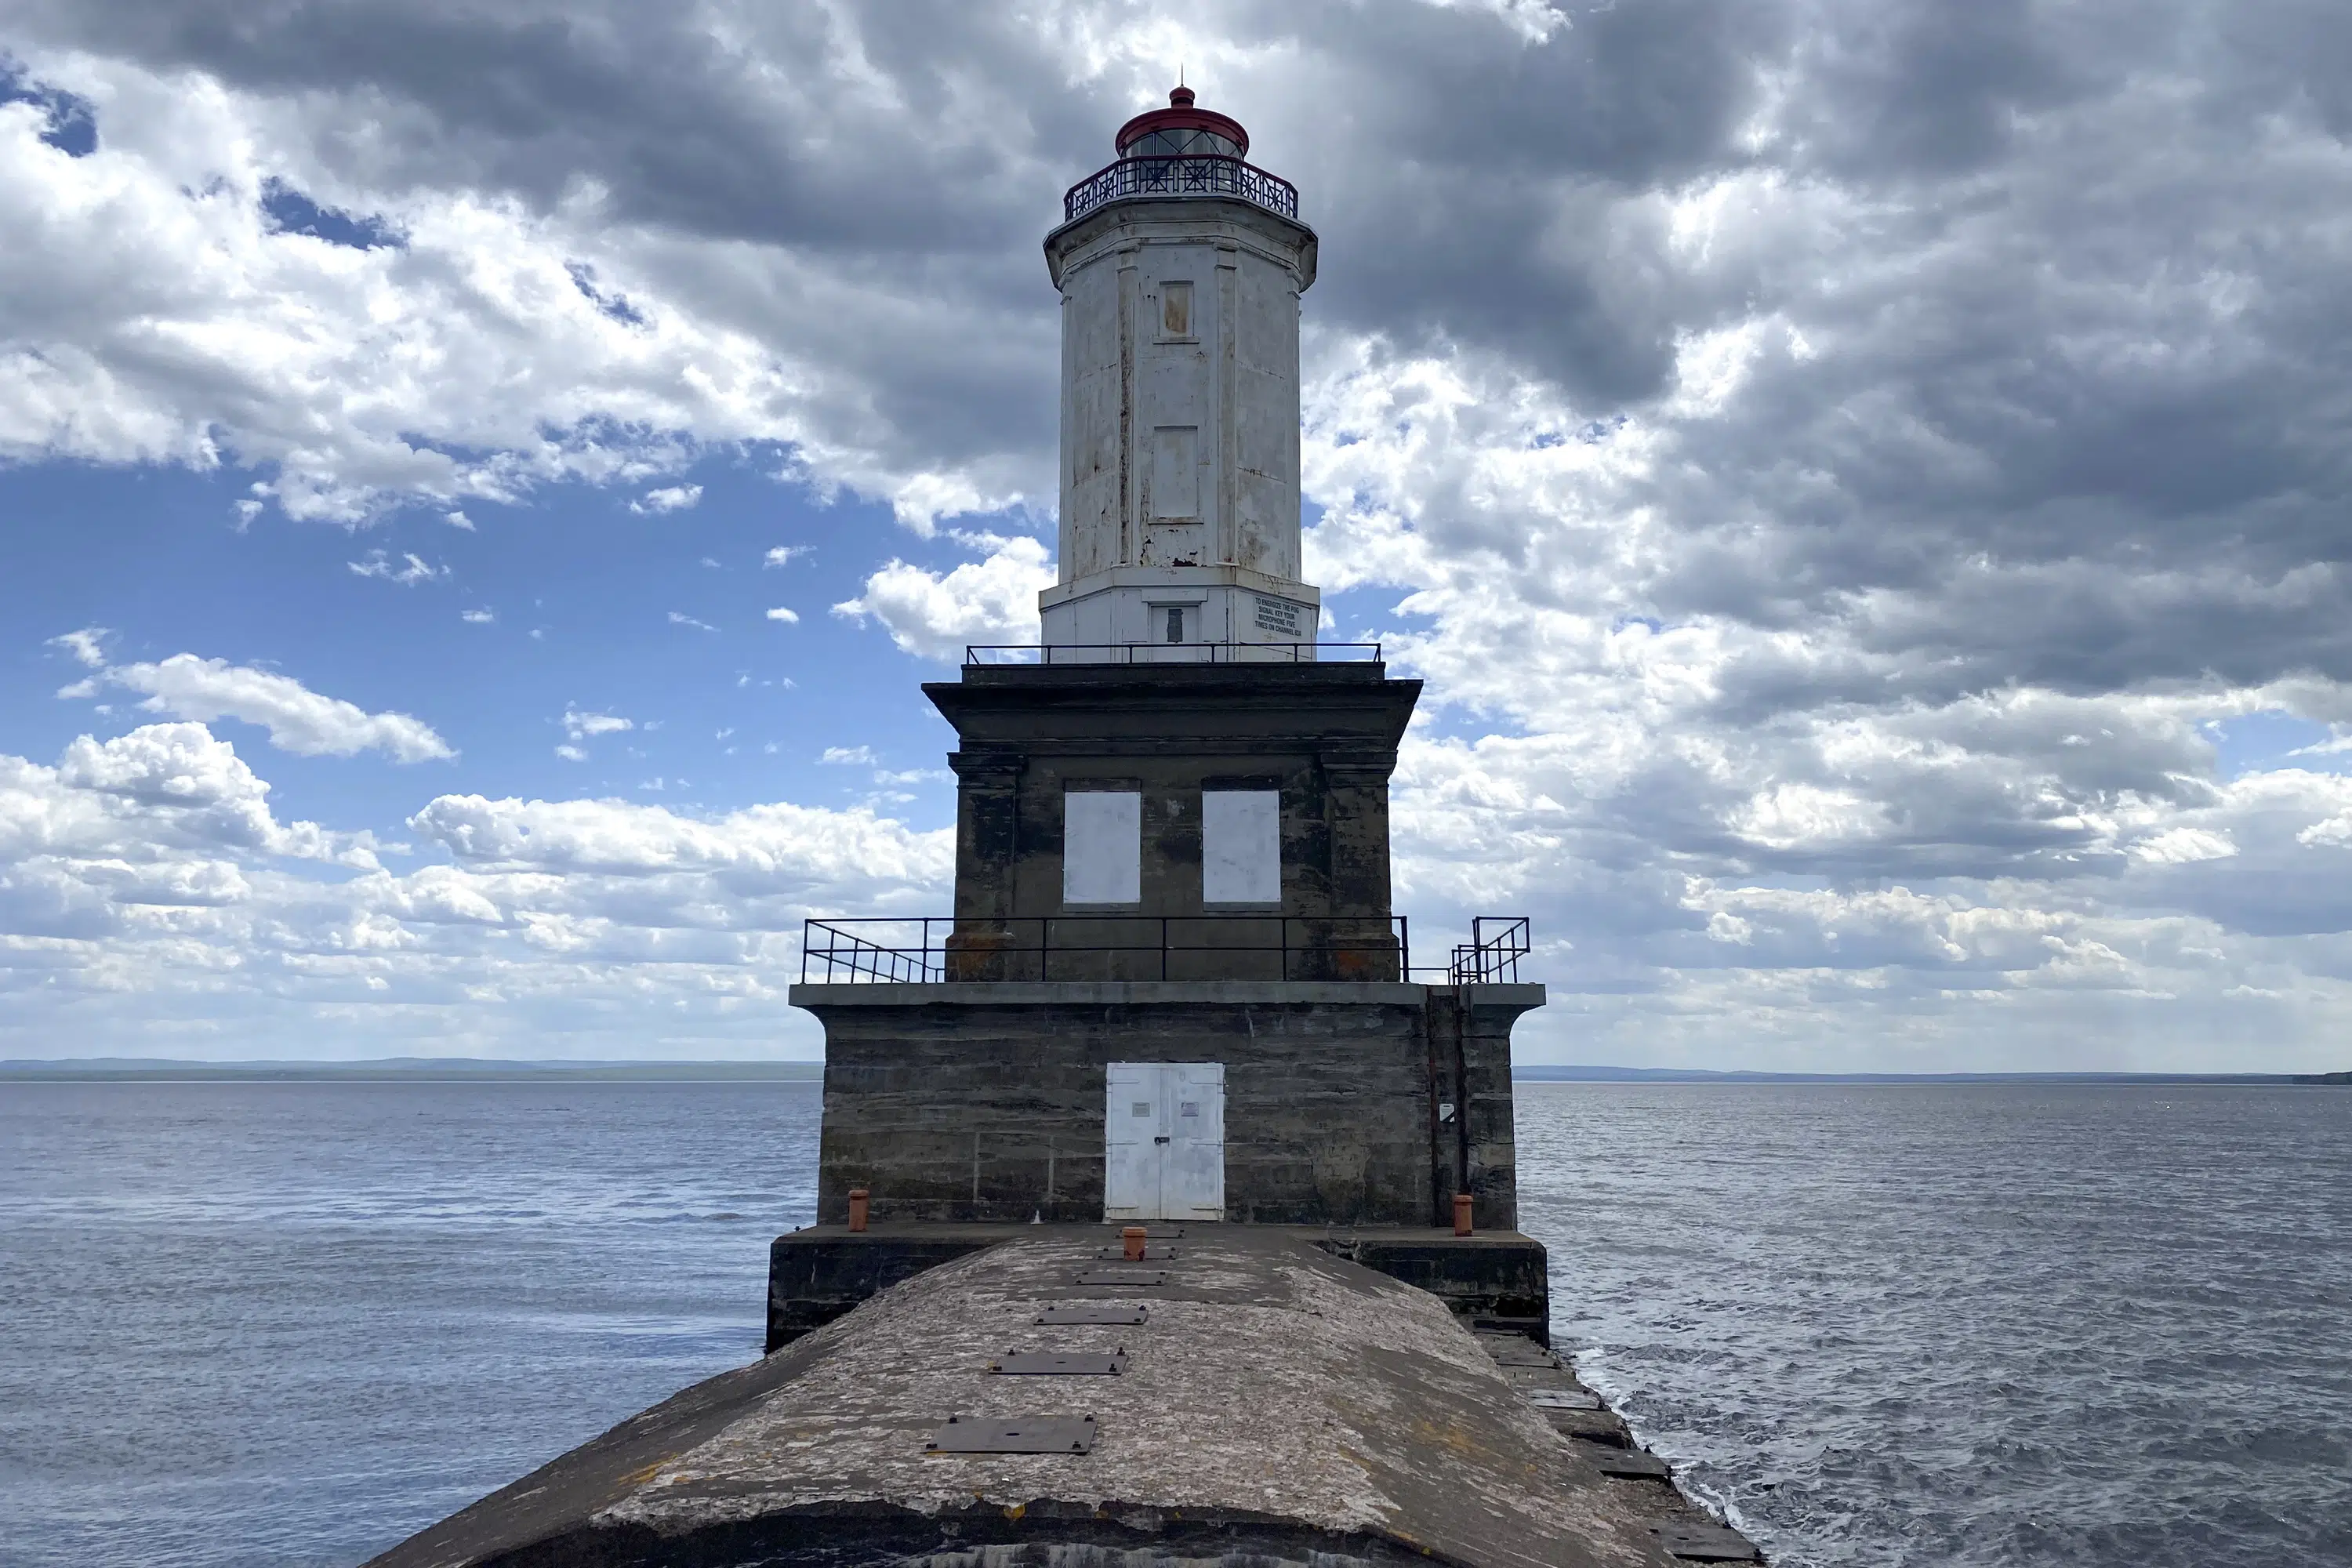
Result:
[
  {"x": 581, "y": 725},
  {"x": 669, "y": 498},
  {"x": 1834, "y": 461},
  {"x": 789, "y": 617},
  {"x": 680, "y": 619},
  {"x": 783, "y": 554},
  {"x": 432, "y": 332},
  {"x": 87, "y": 646},
  {"x": 146, "y": 877},
  {"x": 298, "y": 720},
  {"x": 411, "y": 571},
  {"x": 936, "y": 614}
]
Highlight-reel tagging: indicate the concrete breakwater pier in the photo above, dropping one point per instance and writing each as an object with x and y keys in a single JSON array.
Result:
[
  {"x": 1243, "y": 1395},
  {"x": 1174, "y": 995}
]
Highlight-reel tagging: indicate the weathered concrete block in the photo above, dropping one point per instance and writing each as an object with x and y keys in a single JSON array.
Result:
[
  {"x": 816, "y": 1276},
  {"x": 1345, "y": 1103},
  {"x": 1320, "y": 736},
  {"x": 1495, "y": 1279}
]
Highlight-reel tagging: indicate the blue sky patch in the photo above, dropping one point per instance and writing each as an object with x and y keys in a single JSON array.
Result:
[
  {"x": 291, "y": 212},
  {"x": 617, "y": 306},
  {"x": 72, "y": 121}
]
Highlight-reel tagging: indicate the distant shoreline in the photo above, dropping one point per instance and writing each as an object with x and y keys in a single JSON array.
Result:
[
  {"x": 1540, "y": 1074},
  {"x": 405, "y": 1069},
  {"x": 466, "y": 1069}
]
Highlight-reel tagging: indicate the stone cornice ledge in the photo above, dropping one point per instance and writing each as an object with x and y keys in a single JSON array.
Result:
[{"x": 1113, "y": 993}]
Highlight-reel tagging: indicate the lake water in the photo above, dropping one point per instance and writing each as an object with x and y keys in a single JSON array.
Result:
[{"x": 272, "y": 1324}]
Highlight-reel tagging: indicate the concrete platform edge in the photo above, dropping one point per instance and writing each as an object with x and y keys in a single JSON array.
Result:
[{"x": 1493, "y": 1280}]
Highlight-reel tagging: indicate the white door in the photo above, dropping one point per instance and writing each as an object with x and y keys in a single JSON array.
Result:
[
  {"x": 1131, "y": 1153},
  {"x": 1164, "y": 1141},
  {"x": 1193, "y": 1176}
]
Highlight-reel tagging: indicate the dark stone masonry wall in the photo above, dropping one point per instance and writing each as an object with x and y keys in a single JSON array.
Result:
[
  {"x": 984, "y": 1102},
  {"x": 1321, "y": 736}
]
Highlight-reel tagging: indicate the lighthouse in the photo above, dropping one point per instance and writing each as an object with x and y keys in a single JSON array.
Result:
[
  {"x": 1172, "y": 987},
  {"x": 1172, "y": 995},
  {"x": 1181, "y": 267}
]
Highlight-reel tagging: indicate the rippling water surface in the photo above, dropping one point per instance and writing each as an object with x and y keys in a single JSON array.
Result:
[
  {"x": 253, "y": 1325},
  {"x": 274, "y": 1324},
  {"x": 1969, "y": 1324}
]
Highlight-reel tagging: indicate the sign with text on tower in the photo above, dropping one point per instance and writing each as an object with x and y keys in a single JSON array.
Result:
[{"x": 1164, "y": 1141}]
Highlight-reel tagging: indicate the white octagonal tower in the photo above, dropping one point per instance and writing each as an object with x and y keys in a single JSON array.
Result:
[{"x": 1181, "y": 267}]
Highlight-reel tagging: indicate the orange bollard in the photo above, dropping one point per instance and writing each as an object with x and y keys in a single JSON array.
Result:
[
  {"x": 1462, "y": 1213},
  {"x": 1133, "y": 1235},
  {"x": 858, "y": 1208}
]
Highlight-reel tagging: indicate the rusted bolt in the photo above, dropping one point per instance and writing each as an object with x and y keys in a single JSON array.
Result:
[
  {"x": 1133, "y": 1235},
  {"x": 1462, "y": 1213},
  {"x": 858, "y": 1208}
]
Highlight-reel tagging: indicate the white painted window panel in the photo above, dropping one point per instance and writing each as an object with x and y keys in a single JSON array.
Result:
[
  {"x": 1241, "y": 846},
  {"x": 1102, "y": 846}
]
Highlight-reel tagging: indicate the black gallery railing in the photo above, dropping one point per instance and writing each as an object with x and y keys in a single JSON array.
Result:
[
  {"x": 1173, "y": 653},
  {"x": 1491, "y": 956},
  {"x": 1197, "y": 174},
  {"x": 917, "y": 951}
]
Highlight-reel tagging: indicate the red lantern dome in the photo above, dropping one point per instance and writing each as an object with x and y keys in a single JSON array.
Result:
[{"x": 1181, "y": 131}]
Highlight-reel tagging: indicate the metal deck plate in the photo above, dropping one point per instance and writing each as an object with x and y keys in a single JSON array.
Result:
[
  {"x": 1706, "y": 1543},
  {"x": 1090, "y": 1312},
  {"x": 1563, "y": 1399},
  {"x": 1124, "y": 1277},
  {"x": 1056, "y": 1363},
  {"x": 1632, "y": 1463},
  {"x": 1016, "y": 1434},
  {"x": 1152, "y": 1253}
]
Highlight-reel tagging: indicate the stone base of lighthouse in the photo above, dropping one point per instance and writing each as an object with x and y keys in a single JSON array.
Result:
[
  {"x": 1493, "y": 1281},
  {"x": 969, "y": 1110},
  {"x": 1343, "y": 1104}
]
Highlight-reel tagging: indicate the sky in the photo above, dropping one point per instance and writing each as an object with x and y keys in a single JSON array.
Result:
[{"x": 1863, "y": 481}]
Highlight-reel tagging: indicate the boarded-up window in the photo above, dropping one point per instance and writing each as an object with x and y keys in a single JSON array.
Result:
[
  {"x": 1102, "y": 846},
  {"x": 1175, "y": 309},
  {"x": 1241, "y": 846},
  {"x": 1175, "y": 478}
]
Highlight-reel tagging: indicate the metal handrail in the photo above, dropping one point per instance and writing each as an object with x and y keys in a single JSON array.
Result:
[
  {"x": 1492, "y": 959},
  {"x": 990, "y": 949},
  {"x": 1186, "y": 174},
  {"x": 1201, "y": 652}
]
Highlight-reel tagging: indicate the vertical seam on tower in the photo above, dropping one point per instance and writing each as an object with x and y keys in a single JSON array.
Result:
[
  {"x": 1130, "y": 527},
  {"x": 1229, "y": 542}
]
